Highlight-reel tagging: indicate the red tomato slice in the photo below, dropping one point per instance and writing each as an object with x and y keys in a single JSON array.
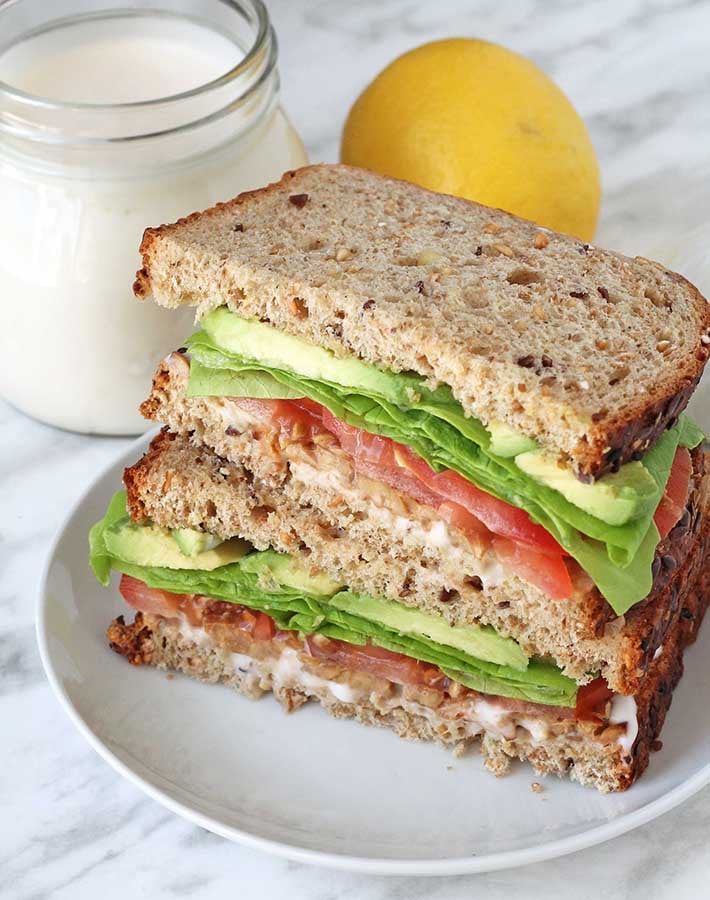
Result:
[
  {"x": 361, "y": 444},
  {"x": 399, "y": 479},
  {"x": 155, "y": 602},
  {"x": 374, "y": 456},
  {"x": 264, "y": 628},
  {"x": 299, "y": 418},
  {"x": 549, "y": 573},
  {"x": 461, "y": 518},
  {"x": 530, "y": 551},
  {"x": 498, "y": 516},
  {"x": 149, "y": 600},
  {"x": 592, "y": 699},
  {"x": 367, "y": 658},
  {"x": 675, "y": 496}
]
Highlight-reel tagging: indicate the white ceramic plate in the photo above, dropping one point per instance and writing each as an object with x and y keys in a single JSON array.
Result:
[{"x": 315, "y": 789}]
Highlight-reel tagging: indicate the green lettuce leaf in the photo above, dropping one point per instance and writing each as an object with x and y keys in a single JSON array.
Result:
[
  {"x": 617, "y": 558},
  {"x": 205, "y": 382},
  {"x": 99, "y": 557}
]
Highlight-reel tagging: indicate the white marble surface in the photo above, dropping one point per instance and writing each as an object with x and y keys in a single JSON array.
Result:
[{"x": 71, "y": 828}]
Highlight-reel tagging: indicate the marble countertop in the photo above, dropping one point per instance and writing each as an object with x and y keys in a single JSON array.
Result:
[{"x": 72, "y": 828}]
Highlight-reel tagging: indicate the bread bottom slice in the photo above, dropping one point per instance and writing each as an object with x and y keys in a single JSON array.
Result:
[{"x": 609, "y": 754}]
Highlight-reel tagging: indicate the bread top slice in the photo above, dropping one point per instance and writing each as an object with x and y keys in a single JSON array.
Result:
[{"x": 589, "y": 352}]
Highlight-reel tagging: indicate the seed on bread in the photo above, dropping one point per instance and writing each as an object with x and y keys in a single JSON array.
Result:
[
  {"x": 655, "y": 296},
  {"x": 428, "y": 256},
  {"x": 475, "y": 297},
  {"x": 524, "y": 276},
  {"x": 619, "y": 374},
  {"x": 298, "y": 308}
]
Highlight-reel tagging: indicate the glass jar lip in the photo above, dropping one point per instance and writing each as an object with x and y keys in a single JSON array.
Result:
[{"x": 263, "y": 36}]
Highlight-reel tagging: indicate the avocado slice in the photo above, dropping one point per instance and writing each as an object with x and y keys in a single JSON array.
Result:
[
  {"x": 150, "y": 545},
  {"x": 507, "y": 441},
  {"x": 282, "y": 569},
  {"x": 480, "y": 641},
  {"x": 191, "y": 542},
  {"x": 278, "y": 350},
  {"x": 616, "y": 498}
]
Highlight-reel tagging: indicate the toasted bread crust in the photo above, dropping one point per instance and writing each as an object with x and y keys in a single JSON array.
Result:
[
  {"x": 180, "y": 266},
  {"x": 625, "y": 441},
  {"x": 656, "y": 693}
]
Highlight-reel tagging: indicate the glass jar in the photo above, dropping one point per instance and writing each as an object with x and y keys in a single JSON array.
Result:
[{"x": 96, "y": 158}]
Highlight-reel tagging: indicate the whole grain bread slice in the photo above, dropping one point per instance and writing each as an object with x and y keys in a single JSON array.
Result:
[{"x": 590, "y": 352}]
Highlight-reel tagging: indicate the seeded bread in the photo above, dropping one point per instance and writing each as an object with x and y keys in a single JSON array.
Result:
[
  {"x": 584, "y": 753},
  {"x": 590, "y": 352},
  {"x": 179, "y": 483}
]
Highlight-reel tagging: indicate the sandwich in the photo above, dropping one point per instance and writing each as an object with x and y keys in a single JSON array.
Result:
[{"x": 425, "y": 463}]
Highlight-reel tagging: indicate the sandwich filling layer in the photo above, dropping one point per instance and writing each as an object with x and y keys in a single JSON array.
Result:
[
  {"x": 599, "y": 751},
  {"x": 268, "y": 658},
  {"x": 308, "y": 602}
]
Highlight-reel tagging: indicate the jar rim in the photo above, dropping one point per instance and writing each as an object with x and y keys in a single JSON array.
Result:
[{"x": 19, "y": 118}]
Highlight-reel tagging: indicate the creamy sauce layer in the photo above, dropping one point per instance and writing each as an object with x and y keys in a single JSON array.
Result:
[
  {"x": 438, "y": 535},
  {"x": 624, "y": 712},
  {"x": 457, "y": 719}
]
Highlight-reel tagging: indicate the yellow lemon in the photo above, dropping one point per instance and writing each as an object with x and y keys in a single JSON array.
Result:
[{"x": 470, "y": 118}]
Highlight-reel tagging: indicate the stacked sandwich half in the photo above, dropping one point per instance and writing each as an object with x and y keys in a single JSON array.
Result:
[{"x": 425, "y": 463}]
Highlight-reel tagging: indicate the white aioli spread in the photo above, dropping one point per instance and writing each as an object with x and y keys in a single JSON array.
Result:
[
  {"x": 488, "y": 568},
  {"x": 78, "y": 349},
  {"x": 623, "y": 712},
  {"x": 287, "y": 671},
  {"x": 467, "y": 719}
]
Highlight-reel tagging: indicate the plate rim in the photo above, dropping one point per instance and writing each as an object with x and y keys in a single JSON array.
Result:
[{"x": 466, "y": 865}]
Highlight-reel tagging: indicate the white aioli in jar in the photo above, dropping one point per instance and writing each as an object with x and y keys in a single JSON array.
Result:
[{"x": 78, "y": 349}]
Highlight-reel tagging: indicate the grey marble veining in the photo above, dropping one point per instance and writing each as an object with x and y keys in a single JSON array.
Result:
[{"x": 639, "y": 72}]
